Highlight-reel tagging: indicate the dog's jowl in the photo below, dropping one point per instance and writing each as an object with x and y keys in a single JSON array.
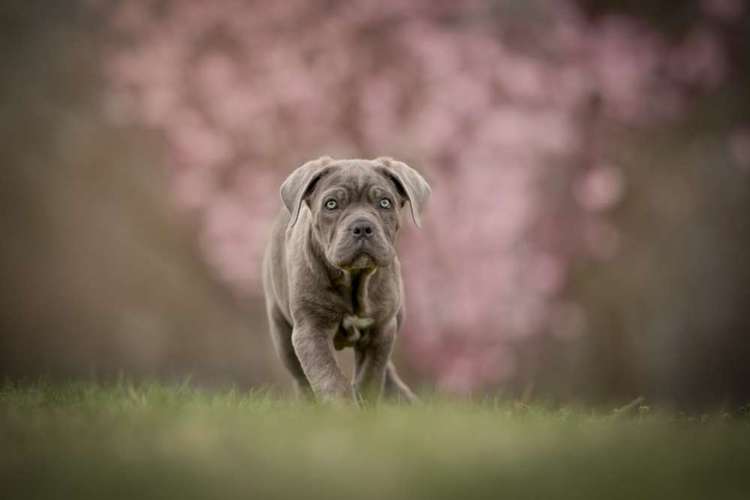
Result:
[{"x": 332, "y": 278}]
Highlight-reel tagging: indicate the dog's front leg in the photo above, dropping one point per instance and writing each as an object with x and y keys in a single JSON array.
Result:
[
  {"x": 315, "y": 352},
  {"x": 371, "y": 362}
]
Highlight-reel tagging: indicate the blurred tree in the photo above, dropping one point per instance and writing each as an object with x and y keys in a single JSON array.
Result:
[
  {"x": 589, "y": 161},
  {"x": 671, "y": 311},
  {"x": 514, "y": 110}
]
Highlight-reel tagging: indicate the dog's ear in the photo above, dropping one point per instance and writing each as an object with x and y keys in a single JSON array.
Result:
[
  {"x": 300, "y": 184},
  {"x": 411, "y": 184}
]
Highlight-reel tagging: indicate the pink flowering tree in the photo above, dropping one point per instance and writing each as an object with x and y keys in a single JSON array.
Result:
[{"x": 500, "y": 106}]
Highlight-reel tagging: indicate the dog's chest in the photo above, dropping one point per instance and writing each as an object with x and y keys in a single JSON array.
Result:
[
  {"x": 354, "y": 331},
  {"x": 359, "y": 318}
]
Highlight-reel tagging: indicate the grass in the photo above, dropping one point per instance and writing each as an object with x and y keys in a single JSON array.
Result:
[{"x": 88, "y": 441}]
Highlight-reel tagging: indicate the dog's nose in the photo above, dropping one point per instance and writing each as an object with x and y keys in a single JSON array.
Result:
[{"x": 362, "y": 228}]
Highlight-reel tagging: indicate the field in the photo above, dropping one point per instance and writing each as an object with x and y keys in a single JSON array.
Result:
[{"x": 88, "y": 441}]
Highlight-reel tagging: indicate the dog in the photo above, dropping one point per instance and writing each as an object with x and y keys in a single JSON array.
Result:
[{"x": 332, "y": 279}]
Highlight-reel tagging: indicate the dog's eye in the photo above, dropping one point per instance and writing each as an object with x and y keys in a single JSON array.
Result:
[
  {"x": 385, "y": 203},
  {"x": 331, "y": 204}
]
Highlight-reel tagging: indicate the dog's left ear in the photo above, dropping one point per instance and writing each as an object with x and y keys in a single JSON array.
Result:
[
  {"x": 411, "y": 184},
  {"x": 300, "y": 184}
]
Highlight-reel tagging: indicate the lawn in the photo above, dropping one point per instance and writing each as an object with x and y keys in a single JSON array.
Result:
[{"x": 88, "y": 441}]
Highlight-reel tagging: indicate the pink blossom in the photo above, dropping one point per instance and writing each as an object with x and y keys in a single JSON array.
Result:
[
  {"x": 242, "y": 92},
  {"x": 600, "y": 188}
]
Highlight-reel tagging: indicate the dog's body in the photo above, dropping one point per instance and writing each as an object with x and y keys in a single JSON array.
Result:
[{"x": 332, "y": 278}]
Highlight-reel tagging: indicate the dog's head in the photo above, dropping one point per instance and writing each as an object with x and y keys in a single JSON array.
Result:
[{"x": 355, "y": 206}]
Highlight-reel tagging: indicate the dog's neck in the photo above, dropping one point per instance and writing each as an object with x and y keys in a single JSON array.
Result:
[
  {"x": 358, "y": 281},
  {"x": 354, "y": 287}
]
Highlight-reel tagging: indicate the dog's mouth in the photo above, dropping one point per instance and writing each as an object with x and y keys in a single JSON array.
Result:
[{"x": 360, "y": 255}]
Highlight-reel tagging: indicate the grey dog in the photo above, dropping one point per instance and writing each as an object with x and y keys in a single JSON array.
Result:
[{"x": 332, "y": 278}]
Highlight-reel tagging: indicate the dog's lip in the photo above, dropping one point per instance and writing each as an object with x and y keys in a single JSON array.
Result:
[
  {"x": 360, "y": 255},
  {"x": 359, "y": 260}
]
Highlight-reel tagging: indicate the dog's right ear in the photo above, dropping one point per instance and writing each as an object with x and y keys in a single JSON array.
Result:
[
  {"x": 300, "y": 184},
  {"x": 410, "y": 183}
]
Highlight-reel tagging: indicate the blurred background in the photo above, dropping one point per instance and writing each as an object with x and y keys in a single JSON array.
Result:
[{"x": 588, "y": 237}]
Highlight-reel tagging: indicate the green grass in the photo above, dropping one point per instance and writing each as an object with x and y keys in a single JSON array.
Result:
[{"x": 86, "y": 441}]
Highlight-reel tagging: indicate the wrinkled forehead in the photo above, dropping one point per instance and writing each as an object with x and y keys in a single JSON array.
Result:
[{"x": 357, "y": 177}]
